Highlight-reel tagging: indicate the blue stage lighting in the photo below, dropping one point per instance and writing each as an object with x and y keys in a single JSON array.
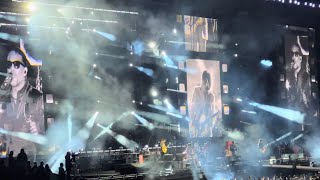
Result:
[
  {"x": 108, "y": 36},
  {"x": 266, "y": 63},
  {"x": 289, "y": 114}
]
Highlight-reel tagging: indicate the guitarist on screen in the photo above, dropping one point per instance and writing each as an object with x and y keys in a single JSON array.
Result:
[{"x": 202, "y": 109}]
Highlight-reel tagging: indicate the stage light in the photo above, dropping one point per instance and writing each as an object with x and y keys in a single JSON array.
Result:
[
  {"x": 147, "y": 71},
  {"x": 72, "y": 22},
  {"x": 32, "y": 7},
  {"x": 67, "y": 32},
  {"x": 266, "y": 63},
  {"x": 94, "y": 65},
  {"x": 97, "y": 77},
  {"x": 131, "y": 53},
  {"x": 235, "y": 55},
  {"x": 141, "y": 103},
  {"x": 132, "y": 112},
  {"x": 152, "y": 44},
  {"x": 27, "y": 19},
  {"x": 28, "y": 32},
  {"x": 91, "y": 12},
  {"x": 133, "y": 101},
  {"x": 290, "y": 1},
  {"x": 236, "y": 44},
  {"x": 130, "y": 64},
  {"x": 154, "y": 92},
  {"x": 239, "y": 99},
  {"x": 174, "y": 31},
  {"x": 80, "y": 23},
  {"x": 94, "y": 30},
  {"x": 249, "y": 112},
  {"x": 163, "y": 53},
  {"x": 305, "y": 3},
  {"x": 59, "y": 10}
]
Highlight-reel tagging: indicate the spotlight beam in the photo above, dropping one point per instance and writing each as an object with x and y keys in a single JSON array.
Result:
[
  {"x": 69, "y": 122},
  {"x": 105, "y": 130},
  {"x": 297, "y": 137},
  {"x": 144, "y": 121},
  {"x": 77, "y": 142},
  {"x": 108, "y": 36},
  {"x": 120, "y": 138},
  {"x": 289, "y": 114},
  {"x": 36, "y": 138},
  {"x": 155, "y": 116}
]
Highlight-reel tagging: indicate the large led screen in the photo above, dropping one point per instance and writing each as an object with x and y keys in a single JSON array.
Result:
[
  {"x": 21, "y": 99},
  {"x": 298, "y": 72},
  {"x": 201, "y": 34},
  {"x": 204, "y": 98}
]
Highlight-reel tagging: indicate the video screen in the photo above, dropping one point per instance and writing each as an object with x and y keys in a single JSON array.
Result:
[
  {"x": 204, "y": 98},
  {"x": 21, "y": 99},
  {"x": 297, "y": 82},
  {"x": 201, "y": 34}
]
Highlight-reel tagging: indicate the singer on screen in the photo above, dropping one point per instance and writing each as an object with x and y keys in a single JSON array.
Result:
[{"x": 21, "y": 105}]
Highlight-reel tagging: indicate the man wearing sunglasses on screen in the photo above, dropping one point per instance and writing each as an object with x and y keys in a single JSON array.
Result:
[
  {"x": 298, "y": 83},
  {"x": 21, "y": 104}
]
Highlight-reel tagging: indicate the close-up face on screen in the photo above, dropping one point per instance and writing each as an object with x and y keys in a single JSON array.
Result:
[{"x": 21, "y": 100}]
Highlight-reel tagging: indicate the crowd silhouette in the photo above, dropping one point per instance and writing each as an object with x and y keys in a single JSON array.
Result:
[{"x": 12, "y": 168}]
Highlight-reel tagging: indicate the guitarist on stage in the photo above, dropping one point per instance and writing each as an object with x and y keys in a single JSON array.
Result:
[
  {"x": 261, "y": 150},
  {"x": 164, "y": 146}
]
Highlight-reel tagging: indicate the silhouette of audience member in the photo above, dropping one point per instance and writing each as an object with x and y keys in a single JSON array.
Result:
[
  {"x": 22, "y": 157},
  {"x": 11, "y": 162},
  {"x": 41, "y": 173},
  {"x": 34, "y": 170},
  {"x": 2, "y": 164},
  {"x": 68, "y": 165},
  {"x": 3, "y": 170},
  {"x": 28, "y": 170},
  {"x": 48, "y": 171},
  {"x": 62, "y": 173}
]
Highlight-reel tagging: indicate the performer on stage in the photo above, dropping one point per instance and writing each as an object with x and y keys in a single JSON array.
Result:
[
  {"x": 3, "y": 146},
  {"x": 261, "y": 146},
  {"x": 233, "y": 148}
]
